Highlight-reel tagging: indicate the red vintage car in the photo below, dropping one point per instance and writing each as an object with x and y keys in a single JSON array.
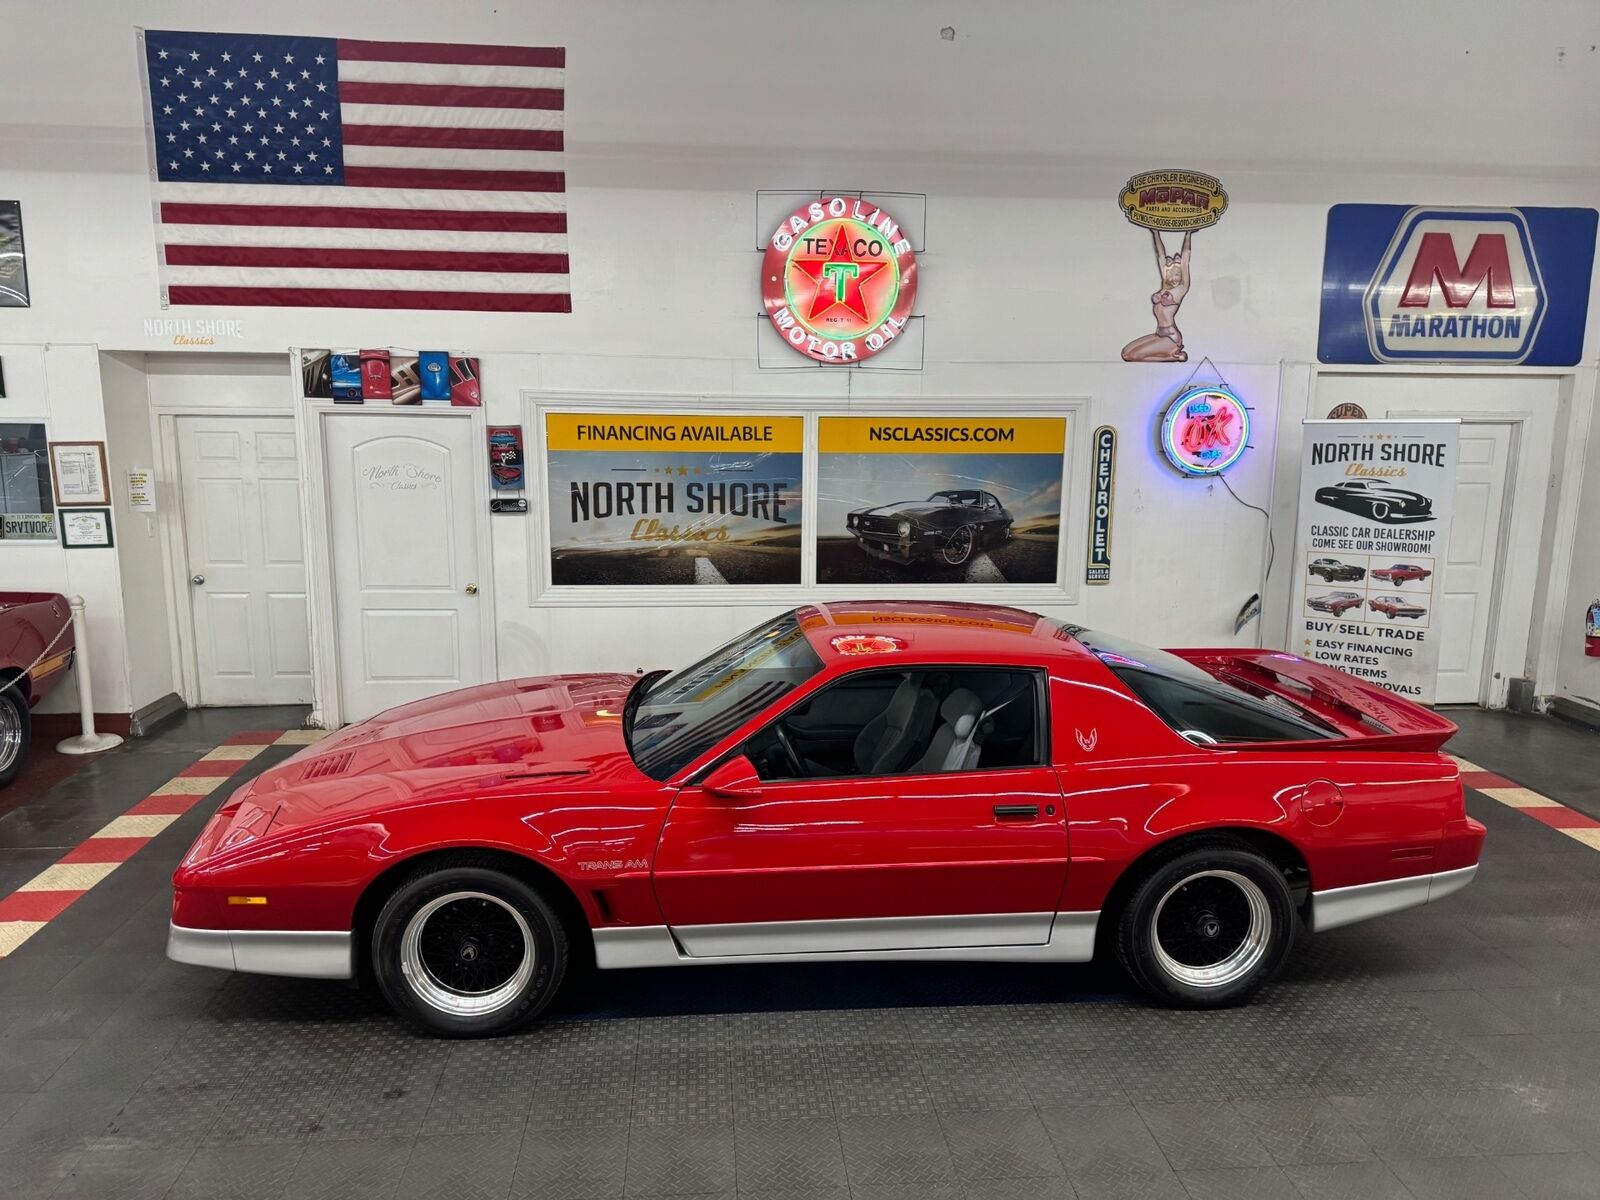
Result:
[
  {"x": 1396, "y": 606},
  {"x": 1401, "y": 572},
  {"x": 864, "y": 780},
  {"x": 1337, "y": 603},
  {"x": 36, "y": 645}
]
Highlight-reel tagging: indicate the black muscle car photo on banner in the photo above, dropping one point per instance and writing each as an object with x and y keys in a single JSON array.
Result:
[{"x": 939, "y": 500}]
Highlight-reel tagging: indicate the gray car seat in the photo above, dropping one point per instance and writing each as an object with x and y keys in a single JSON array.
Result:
[
  {"x": 957, "y": 742},
  {"x": 890, "y": 738}
]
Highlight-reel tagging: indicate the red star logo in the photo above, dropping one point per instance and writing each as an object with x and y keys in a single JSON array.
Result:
[{"x": 838, "y": 277}]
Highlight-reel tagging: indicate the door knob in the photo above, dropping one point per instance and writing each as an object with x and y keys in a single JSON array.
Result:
[
  {"x": 472, "y": 589},
  {"x": 198, "y": 579}
]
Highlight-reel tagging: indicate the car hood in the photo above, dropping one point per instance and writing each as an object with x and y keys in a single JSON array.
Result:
[
  {"x": 1401, "y": 493},
  {"x": 549, "y": 734},
  {"x": 906, "y": 508}
]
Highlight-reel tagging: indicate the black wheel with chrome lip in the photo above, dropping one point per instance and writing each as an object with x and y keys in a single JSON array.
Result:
[
  {"x": 1207, "y": 928},
  {"x": 959, "y": 548},
  {"x": 13, "y": 733},
  {"x": 467, "y": 950}
]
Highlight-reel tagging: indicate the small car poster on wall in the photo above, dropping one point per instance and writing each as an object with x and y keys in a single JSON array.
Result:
[
  {"x": 642, "y": 499},
  {"x": 505, "y": 457},
  {"x": 1375, "y": 505},
  {"x": 939, "y": 499},
  {"x": 13, "y": 259}
]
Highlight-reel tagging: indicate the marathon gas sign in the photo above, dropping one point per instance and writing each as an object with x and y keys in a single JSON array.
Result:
[{"x": 1455, "y": 285}]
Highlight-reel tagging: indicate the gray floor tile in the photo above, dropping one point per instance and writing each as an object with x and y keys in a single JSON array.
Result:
[
  {"x": 569, "y": 1164},
  {"x": 894, "y": 1151},
  {"x": 789, "y": 1155},
  {"x": 1553, "y": 1176},
  {"x": 145, "y": 1174},
  {"x": 477, "y": 1166},
  {"x": 1454, "y": 1179},
  {"x": 1237, "y": 1183},
  {"x": 352, "y": 1170},
  {"x": 1348, "y": 1181},
  {"x": 1103, "y": 1140},
  {"x": 1203, "y": 1136},
  {"x": 676, "y": 1160},
  {"x": 1130, "y": 1185},
  {"x": 1000, "y": 1145},
  {"x": 1297, "y": 1131},
  {"x": 237, "y": 1173}
]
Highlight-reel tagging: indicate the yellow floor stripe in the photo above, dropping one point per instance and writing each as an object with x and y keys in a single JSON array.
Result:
[
  {"x": 1589, "y": 837},
  {"x": 190, "y": 785},
  {"x": 69, "y": 877},
  {"x": 232, "y": 754},
  {"x": 1520, "y": 797},
  {"x": 14, "y": 933},
  {"x": 137, "y": 826},
  {"x": 1464, "y": 764},
  {"x": 301, "y": 737}
]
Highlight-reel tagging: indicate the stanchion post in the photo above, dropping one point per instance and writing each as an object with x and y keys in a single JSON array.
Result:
[{"x": 87, "y": 742}]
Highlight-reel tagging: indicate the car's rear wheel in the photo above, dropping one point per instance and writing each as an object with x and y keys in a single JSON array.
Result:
[
  {"x": 467, "y": 950},
  {"x": 959, "y": 548},
  {"x": 14, "y": 734},
  {"x": 1206, "y": 929}
]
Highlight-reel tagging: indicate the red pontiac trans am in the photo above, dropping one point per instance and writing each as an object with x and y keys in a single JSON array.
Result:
[
  {"x": 864, "y": 780},
  {"x": 1401, "y": 572}
]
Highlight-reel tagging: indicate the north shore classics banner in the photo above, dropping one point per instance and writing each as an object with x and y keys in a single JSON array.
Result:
[
  {"x": 647, "y": 499},
  {"x": 939, "y": 499},
  {"x": 1375, "y": 500}
]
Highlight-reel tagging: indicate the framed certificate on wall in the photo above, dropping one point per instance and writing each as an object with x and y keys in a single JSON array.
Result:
[
  {"x": 85, "y": 528},
  {"x": 79, "y": 471}
]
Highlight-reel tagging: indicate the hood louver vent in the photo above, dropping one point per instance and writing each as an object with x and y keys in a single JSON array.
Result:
[{"x": 325, "y": 768}]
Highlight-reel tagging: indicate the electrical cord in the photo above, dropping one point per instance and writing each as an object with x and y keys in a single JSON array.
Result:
[{"x": 1271, "y": 548}]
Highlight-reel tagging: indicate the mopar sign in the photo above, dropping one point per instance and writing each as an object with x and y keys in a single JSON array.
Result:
[{"x": 1485, "y": 285}]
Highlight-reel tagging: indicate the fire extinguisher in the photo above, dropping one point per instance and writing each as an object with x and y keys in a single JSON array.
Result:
[{"x": 1591, "y": 631}]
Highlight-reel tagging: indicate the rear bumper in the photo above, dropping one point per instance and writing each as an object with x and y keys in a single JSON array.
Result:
[
  {"x": 1347, "y": 905},
  {"x": 307, "y": 954}
]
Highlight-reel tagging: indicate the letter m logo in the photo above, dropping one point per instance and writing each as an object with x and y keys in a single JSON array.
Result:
[{"x": 1455, "y": 285}]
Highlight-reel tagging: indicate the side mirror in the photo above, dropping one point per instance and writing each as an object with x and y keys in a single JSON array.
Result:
[{"x": 735, "y": 779}]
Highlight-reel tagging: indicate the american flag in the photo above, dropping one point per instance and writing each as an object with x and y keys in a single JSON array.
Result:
[{"x": 326, "y": 172}]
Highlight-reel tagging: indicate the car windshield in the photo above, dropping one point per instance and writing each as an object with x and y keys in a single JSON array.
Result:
[
  {"x": 970, "y": 499},
  {"x": 684, "y": 715},
  {"x": 1194, "y": 702}
]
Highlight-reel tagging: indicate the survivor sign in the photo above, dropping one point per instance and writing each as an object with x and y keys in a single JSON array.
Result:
[
  {"x": 645, "y": 498},
  {"x": 939, "y": 499},
  {"x": 1374, "y": 521}
]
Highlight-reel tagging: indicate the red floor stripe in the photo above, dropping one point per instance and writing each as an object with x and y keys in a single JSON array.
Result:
[
  {"x": 219, "y": 768},
  {"x": 36, "y": 906},
  {"x": 105, "y": 850},
  {"x": 1478, "y": 780},
  {"x": 1561, "y": 818}
]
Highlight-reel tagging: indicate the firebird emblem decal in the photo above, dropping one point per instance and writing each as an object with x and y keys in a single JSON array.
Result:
[{"x": 1088, "y": 741}]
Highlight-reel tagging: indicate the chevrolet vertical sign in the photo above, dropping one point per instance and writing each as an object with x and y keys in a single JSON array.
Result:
[
  {"x": 1102, "y": 483},
  {"x": 1455, "y": 285}
]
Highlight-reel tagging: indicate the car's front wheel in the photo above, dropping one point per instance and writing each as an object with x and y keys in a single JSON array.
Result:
[
  {"x": 13, "y": 733},
  {"x": 467, "y": 950},
  {"x": 1380, "y": 511},
  {"x": 1206, "y": 929}
]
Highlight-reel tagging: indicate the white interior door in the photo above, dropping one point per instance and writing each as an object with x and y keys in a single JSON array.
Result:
[
  {"x": 246, "y": 562},
  {"x": 403, "y": 512},
  {"x": 1464, "y": 599}
]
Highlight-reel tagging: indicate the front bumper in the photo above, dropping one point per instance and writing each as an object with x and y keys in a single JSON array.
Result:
[{"x": 304, "y": 953}]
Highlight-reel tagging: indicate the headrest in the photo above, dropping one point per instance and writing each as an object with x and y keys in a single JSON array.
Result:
[{"x": 961, "y": 708}]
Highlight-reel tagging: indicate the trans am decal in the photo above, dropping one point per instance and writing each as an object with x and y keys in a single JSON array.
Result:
[
  {"x": 1455, "y": 285},
  {"x": 645, "y": 498},
  {"x": 939, "y": 500}
]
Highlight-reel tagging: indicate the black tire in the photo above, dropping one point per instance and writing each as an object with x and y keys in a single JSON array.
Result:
[
  {"x": 1380, "y": 510},
  {"x": 489, "y": 914},
  {"x": 1239, "y": 905},
  {"x": 15, "y": 734},
  {"x": 969, "y": 534}
]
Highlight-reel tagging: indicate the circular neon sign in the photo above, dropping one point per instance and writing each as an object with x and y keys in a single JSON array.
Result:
[
  {"x": 839, "y": 279},
  {"x": 1205, "y": 430}
]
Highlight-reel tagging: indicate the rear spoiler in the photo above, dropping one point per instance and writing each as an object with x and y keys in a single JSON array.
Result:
[{"x": 1360, "y": 711}]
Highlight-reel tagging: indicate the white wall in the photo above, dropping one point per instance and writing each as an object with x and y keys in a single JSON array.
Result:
[
  {"x": 60, "y": 385},
  {"x": 1021, "y": 130},
  {"x": 138, "y": 538}
]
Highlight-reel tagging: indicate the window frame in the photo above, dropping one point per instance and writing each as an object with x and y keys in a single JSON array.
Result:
[{"x": 1043, "y": 742}]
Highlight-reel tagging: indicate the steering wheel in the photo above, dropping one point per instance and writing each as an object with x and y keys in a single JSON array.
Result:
[{"x": 796, "y": 764}]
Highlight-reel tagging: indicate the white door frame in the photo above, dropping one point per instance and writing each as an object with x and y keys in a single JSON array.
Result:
[
  {"x": 174, "y": 542},
  {"x": 1527, "y": 503},
  {"x": 327, "y": 703}
]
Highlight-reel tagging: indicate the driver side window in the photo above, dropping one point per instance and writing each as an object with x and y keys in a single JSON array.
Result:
[{"x": 921, "y": 721}]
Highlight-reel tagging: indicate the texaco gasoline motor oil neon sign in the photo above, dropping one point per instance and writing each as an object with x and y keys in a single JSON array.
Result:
[{"x": 839, "y": 279}]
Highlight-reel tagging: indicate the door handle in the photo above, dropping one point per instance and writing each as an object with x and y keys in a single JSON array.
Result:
[
  {"x": 198, "y": 579},
  {"x": 472, "y": 589},
  {"x": 1016, "y": 812}
]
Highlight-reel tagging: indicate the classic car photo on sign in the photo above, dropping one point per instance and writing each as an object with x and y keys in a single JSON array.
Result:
[{"x": 863, "y": 780}]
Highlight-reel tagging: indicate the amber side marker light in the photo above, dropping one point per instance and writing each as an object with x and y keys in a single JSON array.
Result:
[
  {"x": 862, "y": 643},
  {"x": 247, "y": 899}
]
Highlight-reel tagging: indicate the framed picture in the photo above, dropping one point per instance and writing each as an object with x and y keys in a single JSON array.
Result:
[
  {"x": 79, "y": 472},
  {"x": 85, "y": 528},
  {"x": 27, "y": 505}
]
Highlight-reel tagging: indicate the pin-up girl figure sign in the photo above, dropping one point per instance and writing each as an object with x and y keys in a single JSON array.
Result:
[{"x": 1170, "y": 201}]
